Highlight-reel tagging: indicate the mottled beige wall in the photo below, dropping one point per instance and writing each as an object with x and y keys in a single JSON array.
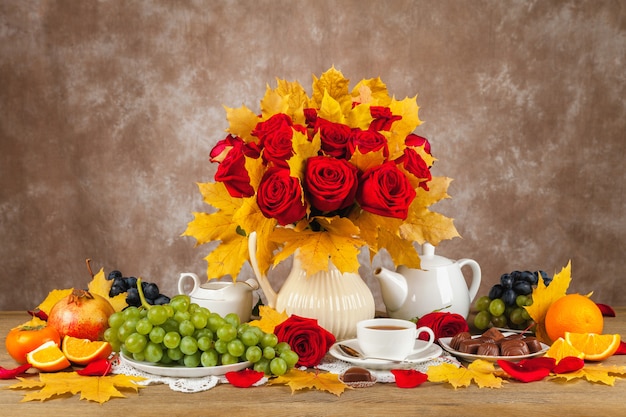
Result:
[{"x": 108, "y": 110}]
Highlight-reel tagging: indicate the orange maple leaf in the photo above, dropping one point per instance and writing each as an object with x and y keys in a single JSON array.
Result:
[{"x": 297, "y": 380}]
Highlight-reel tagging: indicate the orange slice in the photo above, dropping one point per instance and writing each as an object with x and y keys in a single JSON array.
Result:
[
  {"x": 84, "y": 351},
  {"x": 561, "y": 349},
  {"x": 596, "y": 347},
  {"x": 48, "y": 357}
]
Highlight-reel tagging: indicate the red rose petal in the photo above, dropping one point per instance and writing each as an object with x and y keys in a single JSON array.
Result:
[
  {"x": 39, "y": 314},
  {"x": 538, "y": 363},
  {"x": 409, "y": 378},
  {"x": 12, "y": 373},
  {"x": 100, "y": 367},
  {"x": 621, "y": 350},
  {"x": 568, "y": 364},
  {"x": 524, "y": 374},
  {"x": 245, "y": 378},
  {"x": 607, "y": 310}
]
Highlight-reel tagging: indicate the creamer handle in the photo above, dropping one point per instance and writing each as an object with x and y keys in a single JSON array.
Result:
[
  {"x": 269, "y": 292},
  {"x": 476, "y": 276}
]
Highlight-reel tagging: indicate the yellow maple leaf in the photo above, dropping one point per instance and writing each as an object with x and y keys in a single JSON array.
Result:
[
  {"x": 92, "y": 388},
  {"x": 331, "y": 109},
  {"x": 269, "y": 319},
  {"x": 360, "y": 116},
  {"x": 273, "y": 103},
  {"x": 53, "y": 297},
  {"x": 297, "y": 380},
  {"x": 544, "y": 296},
  {"x": 241, "y": 122},
  {"x": 335, "y": 84},
  {"x": 367, "y": 160},
  {"x": 480, "y": 372},
  {"x": 408, "y": 109},
  {"x": 372, "y": 90},
  {"x": 297, "y": 99},
  {"x": 303, "y": 149},
  {"x": 595, "y": 373},
  {"x": 102, "y": 286}
]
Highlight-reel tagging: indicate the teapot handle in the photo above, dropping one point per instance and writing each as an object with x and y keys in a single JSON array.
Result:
[
  {"x": 476, "y": 276},
  {"x": 181, "y": 279}
]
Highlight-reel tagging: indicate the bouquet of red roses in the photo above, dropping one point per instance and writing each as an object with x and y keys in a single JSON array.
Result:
[{"x": 327, "y": 174}]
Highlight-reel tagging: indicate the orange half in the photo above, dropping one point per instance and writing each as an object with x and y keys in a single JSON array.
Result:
[
  {"x": 84, "y": 351},
  {"x": 596, "y": 347},
  {"x": 48, "y": 357},
  {"x": 561, "y": 348}
]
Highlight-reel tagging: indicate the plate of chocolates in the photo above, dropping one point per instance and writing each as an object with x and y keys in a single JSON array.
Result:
[{"x": 493, "y": 345}]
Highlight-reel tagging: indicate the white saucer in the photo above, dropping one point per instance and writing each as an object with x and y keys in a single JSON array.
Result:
[
  {"x": 434, "y": 351},
  {"x": 182, "y": 371}
]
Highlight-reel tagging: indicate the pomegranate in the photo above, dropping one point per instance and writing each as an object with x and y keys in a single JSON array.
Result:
[{"x": 81, "y": 314}]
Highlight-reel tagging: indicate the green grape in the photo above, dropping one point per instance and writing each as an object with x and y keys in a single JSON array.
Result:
[
  {"x": 115, "y": 345},
  {"x": 227, "y": 332},
  {"x": 158, "y": 315},
  {"x": 143, "y": 326},
  {"x": 186, "y": 328},
  {"x": 525, "y": 314},
  {"x": 204, "y": 343},
  {"x": 529, "y": 300},
  {"x": 175, "y": 354},
  {"x": 110, "y": 335},
  {"x": 278, "y": 366},
  {"x": 135, "y": 343},
  {"x": 116, "y": 319},
  {"x": 140, "y": 357},
  {"x": 516, "y": 316},
  {"x": 236, "y": 348},
  {"x": 188, "y": 345},
  {"x": 221, "y": 346},
  {"x": 171, "y": 340},
  {"x": 181, "y": 316},
  {"x": 165, "y": 359},
  {"x": 482, "y": 320},
  {"x": 233, "y": 319},
  {"x": 228, "y": 359},
  {"x": 131, "y": 313},
  {"x": 497, "y": 307},
  {"x": 170, "y": 325},
  {"x": 242, "y": 328},
  {"x": 520, "y": 300},
  {"x": 269, "y": 352},
  {"x": 499, "y": 321},
  {"x": 203, "y": 332},
  {"x": 157, "y": 334},
  {"x": 257, "y": 331},
  {"x": 215, "y": 322},
  {"x": 209, "y": 358},
  {"x": 194, "y": 307},
  {"x": 153, "y": 352},
  {"x": 199, "y": 320},
  {"x": 123, "y": 332},
  {"x": 192, "y": 361},
  {"x": 253, "y": 354},
  {"x": 130, "y": 324},
  {"x": 282, "y": 347},
  {"x": 263, "y": 365},
  {"x": 482, "y": 303},
  {"x": 169, "y": 309},
  {"x": 180, "y": 302},
  {"x": 290, "y": 357},
  {"x": 124, "y": 351},
  {"x": 269, "y": 339},
  {"x": 249, "y": 338}
]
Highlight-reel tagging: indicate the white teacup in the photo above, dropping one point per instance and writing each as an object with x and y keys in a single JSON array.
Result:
[{"x": 391, "y": 338}]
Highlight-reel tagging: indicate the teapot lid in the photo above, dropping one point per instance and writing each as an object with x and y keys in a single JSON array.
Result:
[{"x": 429, "y": 260}]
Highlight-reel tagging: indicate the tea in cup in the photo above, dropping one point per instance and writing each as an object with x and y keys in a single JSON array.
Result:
[{"x": 392, "y": 339}]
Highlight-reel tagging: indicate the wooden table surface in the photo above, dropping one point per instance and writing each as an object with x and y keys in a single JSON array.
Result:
[{"x": 544, "y": 398}]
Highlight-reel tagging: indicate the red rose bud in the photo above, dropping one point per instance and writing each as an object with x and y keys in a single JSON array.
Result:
[
  {"x": 409, "y": 378},
  {"x": 306, "y": 338},
  {"x": 443, "y": 324}
]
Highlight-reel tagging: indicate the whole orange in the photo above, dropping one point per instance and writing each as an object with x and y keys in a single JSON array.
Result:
[{"x": 573, "y": 313}]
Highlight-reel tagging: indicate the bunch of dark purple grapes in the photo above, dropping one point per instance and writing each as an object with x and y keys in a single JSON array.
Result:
[
  {"x": 128, "y": 285},
  {"x": 504, "y": 306}
]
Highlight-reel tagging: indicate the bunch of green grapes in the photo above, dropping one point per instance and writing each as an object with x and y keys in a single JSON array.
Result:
[
  {"x": 186, "y": 334},
  {"x": 504, "y": 306}
]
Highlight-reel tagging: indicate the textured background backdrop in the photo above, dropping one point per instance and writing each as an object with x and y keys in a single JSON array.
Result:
[{"x": 108, "y": 110}]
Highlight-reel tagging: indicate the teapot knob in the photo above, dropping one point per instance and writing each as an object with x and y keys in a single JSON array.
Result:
[{"x": 428, "y": 250}]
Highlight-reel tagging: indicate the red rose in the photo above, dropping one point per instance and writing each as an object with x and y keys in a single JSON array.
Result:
[
  {"x": 415, "y": 164},
  {"x": 280, "y": 196},
  {"x": 385, "y": 190},
  {"x": 443, "y": 324},
  {"x": 310, "y": 341},
  {"x": 415, "y": 141},
  {"x": 270, "y": 125},
  {"x": 232, "y": 172},
  {"x": 368, "y": 141},
  {"x": 277, "y": 145},
  {"x": 330, "y": 183},
  {"x": 334, "y": 138},
  {"x": 383, "y": 118}
]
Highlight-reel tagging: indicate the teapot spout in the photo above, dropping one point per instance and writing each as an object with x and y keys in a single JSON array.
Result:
[
  {"x": 394, "y": 288},
  {"x": 262, "y": 279}
]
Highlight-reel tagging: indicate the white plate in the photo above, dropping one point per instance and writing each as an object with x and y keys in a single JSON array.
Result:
[
  {"x": 468, "y": 357},
  {"x": 431, "y": 353},
  {"x": 182, "y": 371}
]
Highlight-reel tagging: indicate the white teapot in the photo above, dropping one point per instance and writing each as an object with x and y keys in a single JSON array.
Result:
[
  {"x": 438, "y": 286},
  {"x": 222, "y": 297}
]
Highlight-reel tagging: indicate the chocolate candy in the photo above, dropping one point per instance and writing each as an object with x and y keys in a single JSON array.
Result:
[
  {"x": 533, "y": 344},
  {"x": 514, "y": 347},
  {"x": 488, "y": 349},
  {"x": 356, "y": 374},
  {"x": 455, "y": 342}
]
